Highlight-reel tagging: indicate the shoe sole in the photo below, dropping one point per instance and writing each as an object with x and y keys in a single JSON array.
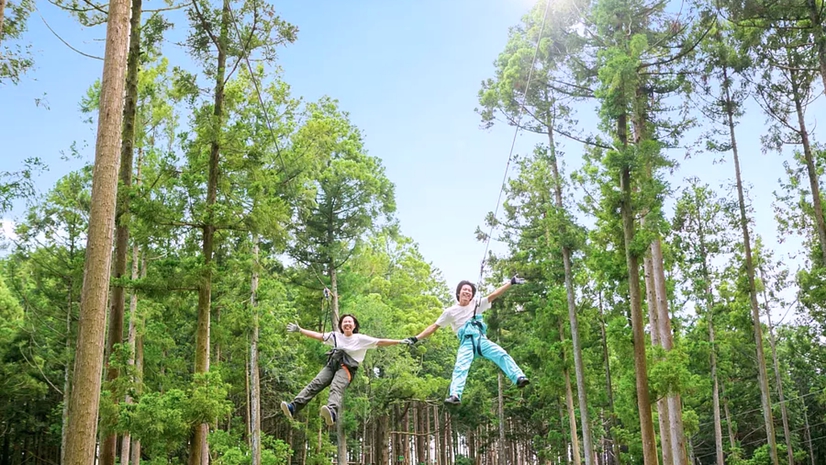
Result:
[
  {"x": 450, "y": 402},
  {"x": 523, "y": 384},
  {"x": 327, "y": 415},
  {"x": 285, "y": 407}
]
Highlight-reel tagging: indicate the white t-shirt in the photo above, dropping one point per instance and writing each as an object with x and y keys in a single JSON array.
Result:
[
  {"x": 355, "y": 346},
  {"x": 457, "y": 315}
]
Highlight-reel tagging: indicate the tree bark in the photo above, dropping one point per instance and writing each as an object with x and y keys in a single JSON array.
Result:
[
  {"x": 811, "y": 169},
  {"x": 569, "y": 401},
  {"x": 663, "y": 414},
  {"x": 199, "y": 450},
  {"x": 614, "y": 454},
  {"x": 778, "y": 378},
  {"x": 255, "y": 383},
  {"x": 762, "y": 376},
  {"x": 579, "y": 365},
  {"x": 501, "y": 412},
  {"x": 649, "y": 443},
  {"x": 67, "y": 374},
  {"x": 675, "y": 407},
  {"x": 85, "y": 396},
  {"x": 108, "y": 447}
]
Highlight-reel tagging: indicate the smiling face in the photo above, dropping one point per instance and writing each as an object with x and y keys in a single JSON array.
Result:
[
  {"x": 348, "y": 325},
  {"x": 465, "y": 294}
]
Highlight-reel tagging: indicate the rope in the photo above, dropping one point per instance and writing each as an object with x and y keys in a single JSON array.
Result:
[{"x": 510, "y": 154}]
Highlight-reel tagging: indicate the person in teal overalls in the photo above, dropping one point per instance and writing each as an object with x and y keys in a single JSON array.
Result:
[{"x": 465, "y": 318}]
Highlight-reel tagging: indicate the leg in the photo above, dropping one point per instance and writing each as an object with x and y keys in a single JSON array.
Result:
[
  {"x": 340, "y": 382},
  {"x": 496, "y": 354},
  {"x": 460, "y": 370},
  {"x": 321, "y": 381}
]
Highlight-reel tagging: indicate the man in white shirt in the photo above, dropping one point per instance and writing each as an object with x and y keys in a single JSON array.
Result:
[{"x": 465, "y": 319}]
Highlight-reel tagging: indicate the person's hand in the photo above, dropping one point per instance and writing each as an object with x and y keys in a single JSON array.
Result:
[
  {"x": 517, "y": 280},
  {"x": 410, "y": 340},
  {"x": 293, "y": 328}
]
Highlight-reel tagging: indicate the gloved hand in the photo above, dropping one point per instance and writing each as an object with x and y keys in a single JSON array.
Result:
[
  {"x": 293, "y": 328},
  {"x": 517, "y": 280},
  {"x": 410, "y": 340}
]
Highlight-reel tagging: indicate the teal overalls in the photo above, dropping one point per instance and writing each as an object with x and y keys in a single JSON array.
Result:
[{"x": 473, "y": 342}]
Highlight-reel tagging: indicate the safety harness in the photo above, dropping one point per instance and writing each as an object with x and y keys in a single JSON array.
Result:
[
  {"x": 338, "y": 358},
  {"x": 475, "y": 338}
]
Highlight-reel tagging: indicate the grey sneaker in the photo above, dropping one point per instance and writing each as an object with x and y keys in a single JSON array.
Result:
[
  {"x": 453, "y": 400},
  {"x": 288, "y": 409},
  {"x": 329, "y": 415}
]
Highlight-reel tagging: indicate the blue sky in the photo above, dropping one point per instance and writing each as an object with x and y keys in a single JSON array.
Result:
[{"x": 408, "y": 72}]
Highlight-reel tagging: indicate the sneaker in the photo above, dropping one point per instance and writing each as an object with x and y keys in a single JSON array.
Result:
[
  {"x": 522, "y": 382},
  {"x": 453, "y": 400},
  {"x": 288, "y": 409},
  {"x": 329, "y": 415}
]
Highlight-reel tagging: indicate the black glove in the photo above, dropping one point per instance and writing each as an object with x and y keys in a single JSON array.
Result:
[
  {"x": 410, "y": 340},
  {"x": 517, "y": 280}
]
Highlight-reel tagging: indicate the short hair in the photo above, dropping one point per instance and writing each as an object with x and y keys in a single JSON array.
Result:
[
  {"x": 355, "y": 322},
  {"x": 462, "y": 284}
]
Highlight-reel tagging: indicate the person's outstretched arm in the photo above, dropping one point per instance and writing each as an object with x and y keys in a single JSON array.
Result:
[
  {"x": 423, "y": 335},
  {"x": 294, "y": 328},
  {"x": 498, "y": 292},
  {"x": 388, "y": 342}
]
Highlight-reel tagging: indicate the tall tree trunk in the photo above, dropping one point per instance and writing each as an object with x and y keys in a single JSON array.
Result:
[
  {"x": 85, "y": 396},
  {"x": 199, "y": 450},
  {"x": 762, "y": 375},
  {"x": 709, "y": 297},
  {"x": 784, "y": 413},
  {"x": 569, "y": 400},
  {"x": 663, "y": 414},
  {"x": 579, "y": 365},
  {"x": 729, "y": 425},
  {"x": 67, "y": 374},
  {"x": 501, "y": 412},
  {"x": 341, "y": 435},
  {"x": 808, "y": 432},
  {"x": 811, "y": 169},
  {"x": 649, "y": 442},
  {"x": 614, "y": 454},
  {"x": 255, "y": 383},
  {"x": 126, "y": 442},
  {"x": 136, "y": 443},
  {"x": 108, "y": 446},
  {"x": 675, "y": 407}
]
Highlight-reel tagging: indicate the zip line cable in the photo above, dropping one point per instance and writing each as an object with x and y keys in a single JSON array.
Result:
[{"x": 513, "y": 143}]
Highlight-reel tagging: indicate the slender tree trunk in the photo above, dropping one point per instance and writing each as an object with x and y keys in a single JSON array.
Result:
[
  {"x": 67, "y": 374},
  {"x": 85, "y": 396},
  {"x": 579, "y": 365},
  {"x": 108, "y": 446},
  {"x": 199, "y": 450},
  {"x": 569, "y": 401},
  {"x": 808, "y": 432},
  {"x": 255, "y": 383},
  {"x": 784, "y": 413},
  {"x": 663, "y": 414},
  {"x": 501, "y": 412},
  {"x": 675, "y": 408},
  {"x": 614, "y": 454},
  {"x": 126, "y": 442},
  {"x": 729, "y": 425},
  {"x": 762, "y": 376},
  {"x": 649, "y": 443},
  {"x": 136, "y": 443},
  {"x": 709, "y": 297}
]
